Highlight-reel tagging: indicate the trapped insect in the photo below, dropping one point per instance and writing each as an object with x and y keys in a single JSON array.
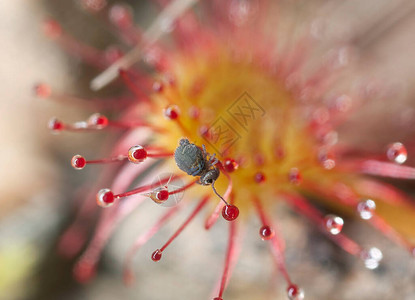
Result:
[{"x": 197, "y": 162}]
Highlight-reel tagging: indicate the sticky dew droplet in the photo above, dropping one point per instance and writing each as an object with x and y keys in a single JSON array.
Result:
[
  {"x": 156, "y": 255},
  {"x": 266, "y": 233},
  {"x": 230, "y": 212},
  {"x": 371, "y": 257},
  {"x": 397, "y": 153},
  {"x": 105, "y": 198},
  {"x": 78, "y": 162},
  {"x": 137, "y": 154},
  {"x": 334, "y": 224},
  {"x": 294, "y": 292},
  {"x": 366, "y": 209}
]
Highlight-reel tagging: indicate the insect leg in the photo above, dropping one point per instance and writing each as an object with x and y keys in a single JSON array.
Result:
[
  {"x": 213, "y": 160},
  {"x": 204, "y": 151},
  {"x": 193, "y": 171}
]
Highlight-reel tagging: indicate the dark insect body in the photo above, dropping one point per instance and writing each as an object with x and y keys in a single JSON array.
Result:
[{"x": 196, "y": 162}]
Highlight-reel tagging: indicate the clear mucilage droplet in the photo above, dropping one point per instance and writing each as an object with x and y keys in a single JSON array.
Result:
[
  {"x": 371, "y": 257},
  {"x": 266, "y": 233},
  {"x": 334, "y": 224},
  {"x": 78, "y": 162},
  {"x": 230, "y": 212},
  {"x": 159, "y": 195},
  {"x": 105, "y": 198},
  {"x": 137, "y": 154},
  {"x": 98, "y": 121},
  {"x": 295, "y": 293},
  {"x": 397, "y": 153},
  {"x": 366, "y": 209},
  {"x": 168, "y": 194}
]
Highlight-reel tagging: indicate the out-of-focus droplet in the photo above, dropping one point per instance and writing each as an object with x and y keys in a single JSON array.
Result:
[
  {"x": 84, "y": 271},
  {"x": 321, "y": 115},
  {"x": 326, "y": 158},
  {"x": 93, "y": 6},
  {"x": 194, "y": 112},
  {"x": 52, "y": 28},
  {"x": 397, "y": 153},
  {"x": 342, "y": 103},
  {"x": 259, "y": 177},
  {"x": 330, "y": 138},
  {"x": 371, "y": 257},
  {"x": 241, "y": 12},
  {"x": 294, "y": 292},
  {"x": 112, "y": 54},
  {"x": 266, "y": 232},
  {"x": 334, "y": 224},
  {"x": 366, "y": 209},
  {"x": 42, "y": 90},
  {"x": 121, "y": 15},
  {"x": 158, "y": 87},
  {"x": 55, "y": 125},
  {"x": 172, "y": 112},
  {"x": 295, "y": 176},
  {"x": 98, "y": 121},
  {"x": 340, "y": 57}
]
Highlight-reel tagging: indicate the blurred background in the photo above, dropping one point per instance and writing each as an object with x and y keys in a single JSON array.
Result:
[{"x": 37, "y": 182}]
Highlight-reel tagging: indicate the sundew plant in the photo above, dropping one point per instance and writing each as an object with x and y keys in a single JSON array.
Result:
[{"x": 230, "y": 108}]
